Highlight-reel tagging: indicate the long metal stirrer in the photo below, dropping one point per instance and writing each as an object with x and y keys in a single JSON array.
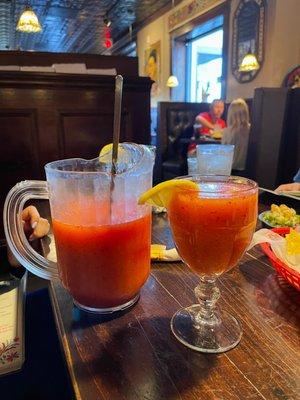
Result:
[
  {"x": 117, "y": 122},
  {"x": 116, "y": 135}
]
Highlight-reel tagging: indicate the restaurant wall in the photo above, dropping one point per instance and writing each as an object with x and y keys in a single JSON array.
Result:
[
  {"x": 158, "y": 31},
  {"x": 152, "y": 33},
  {"x": 282, "y": 48}
]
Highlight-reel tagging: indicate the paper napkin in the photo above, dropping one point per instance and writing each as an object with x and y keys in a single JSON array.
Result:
[{"x": 279, "y": 247}]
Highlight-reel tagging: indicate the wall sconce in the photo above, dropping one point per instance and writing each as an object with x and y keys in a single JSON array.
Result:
[
  {"x": 249, "y": 63},
  {"x": 172, "y": 81}
]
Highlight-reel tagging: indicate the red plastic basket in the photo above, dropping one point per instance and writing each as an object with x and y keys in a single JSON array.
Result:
[{"x": 289, "y": 274}]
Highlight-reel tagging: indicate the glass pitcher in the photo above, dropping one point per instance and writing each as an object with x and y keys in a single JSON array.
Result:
[{"x": 102, "y": 236}]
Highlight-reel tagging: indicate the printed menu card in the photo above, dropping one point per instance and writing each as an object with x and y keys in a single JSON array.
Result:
[{"x": 12, "y": 291}]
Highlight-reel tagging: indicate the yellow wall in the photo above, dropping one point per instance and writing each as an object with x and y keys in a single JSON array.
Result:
[
  {"x": 282, "y": 48},
  {"x": 158, "y": 30}
]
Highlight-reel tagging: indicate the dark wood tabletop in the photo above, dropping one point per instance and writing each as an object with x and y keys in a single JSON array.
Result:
[{"x": 135, "y": 356}]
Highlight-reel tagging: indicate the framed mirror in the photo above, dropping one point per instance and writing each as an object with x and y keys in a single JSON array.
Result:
[{"x": 248, "y": 36}]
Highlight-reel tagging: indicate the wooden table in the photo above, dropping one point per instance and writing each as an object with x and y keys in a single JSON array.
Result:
[{"x": 135, "y": 355}]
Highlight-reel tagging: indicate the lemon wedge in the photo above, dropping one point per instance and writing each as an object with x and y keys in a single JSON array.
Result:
[
  {"x": 108, "y": 149},
  {"x": 161, "y": 194},
  {"x": 105, "y": 149}
]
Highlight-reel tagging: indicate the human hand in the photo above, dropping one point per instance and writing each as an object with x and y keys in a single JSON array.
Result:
[
  {"x": 288, "y": 187},
  {"x": 34, "y": 226}
]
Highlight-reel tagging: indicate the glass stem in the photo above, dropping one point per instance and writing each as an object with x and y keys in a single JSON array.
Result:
[{"x": 207, "y": 293}]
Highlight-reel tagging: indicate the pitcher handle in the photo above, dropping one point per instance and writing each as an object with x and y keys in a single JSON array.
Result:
[{"x": 14, "y": 232}]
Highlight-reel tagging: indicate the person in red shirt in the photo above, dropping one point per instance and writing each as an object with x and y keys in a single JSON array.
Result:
[{"x": 211, "y": 120}]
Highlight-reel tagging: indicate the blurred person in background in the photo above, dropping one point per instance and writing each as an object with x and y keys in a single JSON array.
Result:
[
  {"x": 209, "y": 122},
  {"x": 290, "y": 187},
  {"x": 237, "y": 133}
]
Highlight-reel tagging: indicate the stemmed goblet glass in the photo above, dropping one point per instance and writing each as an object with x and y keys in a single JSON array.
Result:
[{"x": 212, "y": 227}]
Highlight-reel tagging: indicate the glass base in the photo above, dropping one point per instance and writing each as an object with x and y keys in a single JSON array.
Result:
[
  {"x": 108, "y": 310},
  {"x": 218, "y": 336}
]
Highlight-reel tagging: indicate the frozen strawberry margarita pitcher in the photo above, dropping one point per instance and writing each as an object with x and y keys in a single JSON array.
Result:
[{"x": 102, "y": 235}]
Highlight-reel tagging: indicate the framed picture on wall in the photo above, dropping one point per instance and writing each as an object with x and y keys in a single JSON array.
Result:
[
  {"x": 152, "y": 66},
  {"x": 248, "y": 36}
]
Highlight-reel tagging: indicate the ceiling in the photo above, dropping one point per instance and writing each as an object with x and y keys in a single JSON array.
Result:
[{"x": 73, "y": 25}]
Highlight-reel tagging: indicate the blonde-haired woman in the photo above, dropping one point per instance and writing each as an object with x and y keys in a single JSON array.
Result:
[{"x": 237, "y": 132}]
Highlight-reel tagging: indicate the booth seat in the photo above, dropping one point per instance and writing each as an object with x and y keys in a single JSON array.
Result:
[
  {"x": 172, "y": 119},
  {"x": 274, "y": 141}
]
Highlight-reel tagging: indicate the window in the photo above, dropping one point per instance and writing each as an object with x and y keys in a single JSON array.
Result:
[
  {"x": 199, "y": 56},
  {"x": 205, "y": 67}
]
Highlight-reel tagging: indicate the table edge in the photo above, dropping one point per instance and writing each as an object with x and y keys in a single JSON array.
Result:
[{"x": 64, "y": 342}]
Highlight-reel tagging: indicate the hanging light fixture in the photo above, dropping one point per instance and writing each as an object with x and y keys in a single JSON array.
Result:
[
  {"x": 28, "y": 21},
  {"x": 249, "y": 63},
  {"x": 172, "y": 81},
  {"x": 107, "y": 21}
]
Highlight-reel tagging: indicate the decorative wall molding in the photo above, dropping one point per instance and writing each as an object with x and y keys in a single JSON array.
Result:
[{"x": 191, "y": 10}]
